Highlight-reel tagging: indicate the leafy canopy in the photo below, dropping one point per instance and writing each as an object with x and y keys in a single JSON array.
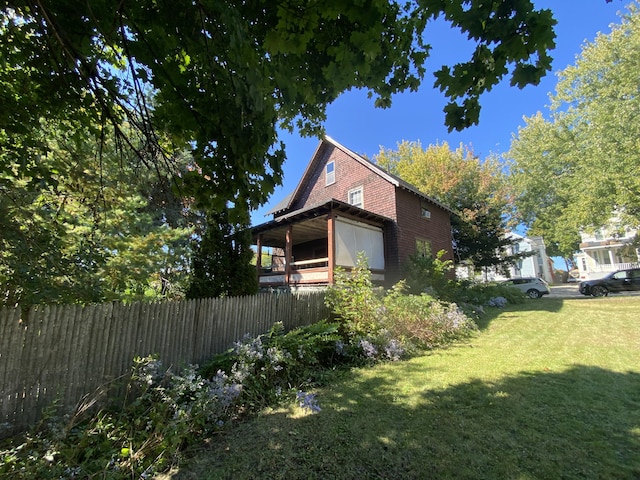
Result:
[
  {"x": 219, "y": 77},
  {"x": 579, "y": 169},
  {"x": 477, "y": 191},
  {"x": 79, "y": 227}
]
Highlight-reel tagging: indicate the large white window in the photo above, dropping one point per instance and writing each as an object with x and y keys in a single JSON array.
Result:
[
  {"x": 353, "y": 237},
  {"x": 355, "y": 197},
  {"x": 330, "y": 173}
]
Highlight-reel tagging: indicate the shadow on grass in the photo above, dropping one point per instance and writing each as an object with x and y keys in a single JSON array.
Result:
[
  {"x": 580, "y": 423},
  {"x": 553, "y": 305}
]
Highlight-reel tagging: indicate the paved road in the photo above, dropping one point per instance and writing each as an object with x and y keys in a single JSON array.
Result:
[
  {"x": 570, "y": 290},
  {"x": 565, "y": 290}
]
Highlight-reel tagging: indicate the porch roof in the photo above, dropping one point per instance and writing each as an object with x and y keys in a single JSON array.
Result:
[
  {"x": 602, "y": 244},
  {"x": 311, "y": 222}
]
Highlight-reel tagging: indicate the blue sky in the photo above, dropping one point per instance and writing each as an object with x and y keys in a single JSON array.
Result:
[{"x": 354, "y": 122}]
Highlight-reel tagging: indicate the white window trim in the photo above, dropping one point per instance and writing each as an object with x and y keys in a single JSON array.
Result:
[
  {"x": 355, "y": 190},
  {"x": 330, "y": 177}
]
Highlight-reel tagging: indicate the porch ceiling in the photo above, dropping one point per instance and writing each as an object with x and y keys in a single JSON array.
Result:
[
  {"x": 310, "y": 223},
  {"x": 303, "y": 231}
]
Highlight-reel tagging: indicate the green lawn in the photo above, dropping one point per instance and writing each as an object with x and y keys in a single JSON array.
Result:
[{"x": 547, "y": 390}]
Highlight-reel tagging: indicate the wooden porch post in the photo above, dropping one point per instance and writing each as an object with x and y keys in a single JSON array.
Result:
[
  {"x": 331, "y": 246},
  {"x": 259, "y": 257},
  {"x": 287, "y": 254}
]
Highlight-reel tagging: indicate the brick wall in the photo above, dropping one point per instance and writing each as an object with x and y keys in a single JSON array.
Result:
[{"x": 412, "y": 226}]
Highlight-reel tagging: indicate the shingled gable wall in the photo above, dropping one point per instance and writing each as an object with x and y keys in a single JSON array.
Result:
[
  {"x": 349, "y": 174},
  {"x": 381, "y": 197}
]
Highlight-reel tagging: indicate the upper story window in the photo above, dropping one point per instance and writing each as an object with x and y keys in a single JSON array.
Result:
[
  {"x": 330, "y": 173},
  {"x": 355, "y": 197},
  {"x": 424, "y": 210}
]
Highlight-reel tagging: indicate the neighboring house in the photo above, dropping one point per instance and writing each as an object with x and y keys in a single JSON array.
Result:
[
  {"x": 537, "y": 265},
  {"x": 606, "y": 250},
  {"x": 343, "y": 205}
]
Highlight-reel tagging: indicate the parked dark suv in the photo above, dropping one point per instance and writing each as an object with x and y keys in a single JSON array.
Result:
[{"x": 622, "y": 280}]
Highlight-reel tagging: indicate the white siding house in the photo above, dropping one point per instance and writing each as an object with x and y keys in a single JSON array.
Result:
[
  {"x": 537, "y": 265},
  {"x": 606, "y": 250}
]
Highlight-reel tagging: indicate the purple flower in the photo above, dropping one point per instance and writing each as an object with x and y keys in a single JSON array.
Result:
[
  {"x": 394, "y": 350},
  {"x": 308, "y": 401},
  {"x": 368, "y": 348}
]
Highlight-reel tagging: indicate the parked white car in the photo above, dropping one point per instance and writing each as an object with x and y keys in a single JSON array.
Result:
[{"x": 532, "y": 287}]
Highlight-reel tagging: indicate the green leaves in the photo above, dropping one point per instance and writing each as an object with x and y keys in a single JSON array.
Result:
[
  {"x": 224, "y": 75},
  {"x": 477, "y": 191},
  {"x": 507, "y": 33},
  {"x": 580, "y": 168},
  {"x": 81, "y": 227}
]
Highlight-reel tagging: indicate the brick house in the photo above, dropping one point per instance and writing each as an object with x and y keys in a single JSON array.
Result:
[{"x": 344, "y": 204}]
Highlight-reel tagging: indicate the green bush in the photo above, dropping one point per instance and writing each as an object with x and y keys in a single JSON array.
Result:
[
  {"x": 424, "y": 321},
  {"x": 354, "y": 300},
  {"x": 167, "y": 412},
  {"x": 427, "y": 274},
  {"x": 480, "y": 294},
  {"x": 397, "y": 320},
  {"x": 272, "y": 366}
]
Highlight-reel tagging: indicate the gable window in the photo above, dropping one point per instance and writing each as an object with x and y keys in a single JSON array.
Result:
[
  {"x": 330, "y": 173},
  {"x": 424, "y": 210},
  {"x": 355, "y": 197},
  {"x": 423, "y": 248}
]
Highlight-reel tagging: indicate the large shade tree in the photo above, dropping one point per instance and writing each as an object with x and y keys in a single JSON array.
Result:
[
  {"x": 223, "y": 75},
  {"x": 580, "y": 168},
  {"x": 78, "y": 226},
  {"x": 476, "y": 190}
]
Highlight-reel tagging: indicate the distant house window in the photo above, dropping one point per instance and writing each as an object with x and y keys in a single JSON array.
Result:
[
  {"x": 355, "y": 197},
  {"x": 330, "y": 173},
  {"x": 423, "y": 248},
  {"x": 424, "y": 211}
]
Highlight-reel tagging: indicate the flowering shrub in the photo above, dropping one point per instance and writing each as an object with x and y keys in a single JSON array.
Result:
[
  {"x": 478, "y": 294},
  {"x": 382, "y": 326},
  {"x": 168, "y": 411},
  {"x": 425, "y": 322},
  {"x": 191, "y": 403},
  {"x": 499, "y": 302}
]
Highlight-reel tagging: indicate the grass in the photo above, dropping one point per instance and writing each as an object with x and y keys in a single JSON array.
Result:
[{"x": 548, "y": 389}]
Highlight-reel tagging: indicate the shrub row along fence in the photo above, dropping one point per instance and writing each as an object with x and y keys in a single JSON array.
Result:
[{"x": 69, "y": 354}]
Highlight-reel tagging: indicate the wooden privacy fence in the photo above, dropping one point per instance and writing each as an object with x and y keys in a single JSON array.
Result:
[{"x": 68, "y": 353}]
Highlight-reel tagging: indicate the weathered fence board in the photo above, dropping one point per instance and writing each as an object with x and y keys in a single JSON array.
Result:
[{"x": 66, "y": 354}]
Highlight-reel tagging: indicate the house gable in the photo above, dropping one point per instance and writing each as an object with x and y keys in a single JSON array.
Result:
[
  {"x": 352, "y": 176},
  {"x": 353, "y": 181}
]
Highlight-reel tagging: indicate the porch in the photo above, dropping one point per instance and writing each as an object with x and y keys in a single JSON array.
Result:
[
  {"x": 303, "y": 248},
  {"x": 599, "y": 258}
]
